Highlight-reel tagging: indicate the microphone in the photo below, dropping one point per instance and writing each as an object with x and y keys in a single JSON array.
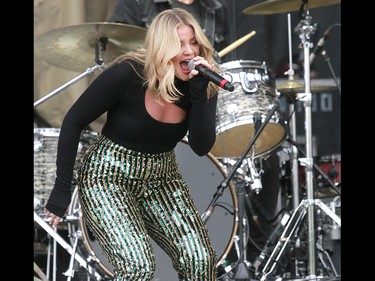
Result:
[
  {"x": 207, "y": 213},
  {"x": 212, "y": 76},
  {"x": 319, "y": 46}
]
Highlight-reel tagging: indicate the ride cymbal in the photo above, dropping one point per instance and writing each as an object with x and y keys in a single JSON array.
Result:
[
  {"x": 293, "y": 87},
  {"x": 283, "y": 6},
  {"x": 74, "y": 47}
]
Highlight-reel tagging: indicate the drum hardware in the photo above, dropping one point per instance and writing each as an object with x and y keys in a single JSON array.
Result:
[
  {"x": 335, "y": 231},
  {"x": 294, "y": 159},
  {"x": 322, "y": 255},
  {"x": 328, "y": 266},
  {"x": 68, "y": 218},
  {"x": 290, "y": 234},
  {"x": 37, "y": 204},
  {"x": 57, "y": 238},
  {"x": 40, "y": 273},
  {"x": 306, "y": 207},
  {"x": 255, "y": 177},
  {"x": 70, "y": 47},
  {"x": 292, "y": 125},
  {"x": 70, "y": 271}
]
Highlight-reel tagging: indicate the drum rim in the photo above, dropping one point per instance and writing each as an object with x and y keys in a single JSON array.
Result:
[
  {"x": 40, "y": 130},
  {"x": 243, "y": 64}
]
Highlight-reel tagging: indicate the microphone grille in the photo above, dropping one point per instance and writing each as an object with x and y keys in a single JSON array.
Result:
[{"x": 191, "y": 65}]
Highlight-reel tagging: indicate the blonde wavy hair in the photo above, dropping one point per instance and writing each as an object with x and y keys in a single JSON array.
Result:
[{"x": 161, "y": 45}]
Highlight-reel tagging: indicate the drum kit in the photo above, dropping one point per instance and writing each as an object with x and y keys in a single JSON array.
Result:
[{"x": 249, "y": 127}]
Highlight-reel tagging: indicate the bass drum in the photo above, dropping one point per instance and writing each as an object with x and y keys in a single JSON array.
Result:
[{"x": 203, "y": 175}]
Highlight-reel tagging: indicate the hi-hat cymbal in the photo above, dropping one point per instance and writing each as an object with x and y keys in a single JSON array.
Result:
[
  {"x": 74, "y": 47},
  {"x": 293, "y": 87},
  {"x": 283, "y": 6}
]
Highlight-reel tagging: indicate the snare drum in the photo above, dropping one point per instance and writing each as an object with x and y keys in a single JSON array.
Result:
[{"x": 241, "y": 112}]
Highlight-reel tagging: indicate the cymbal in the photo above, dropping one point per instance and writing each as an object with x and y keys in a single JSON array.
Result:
[
  {"x": 282, "y": 6},
  {"x": 293, "y": 87},
  {"x": 74, "y": 47}
]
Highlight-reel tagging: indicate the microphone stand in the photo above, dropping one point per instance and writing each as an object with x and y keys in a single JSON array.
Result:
[
  {"x": 72, "y": 81},
  {"x": 240, "y": 271},
  {"x": 328, "y": 60}
]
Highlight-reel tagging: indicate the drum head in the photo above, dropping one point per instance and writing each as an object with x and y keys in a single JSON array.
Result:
[{"x": 203, "y": 175}]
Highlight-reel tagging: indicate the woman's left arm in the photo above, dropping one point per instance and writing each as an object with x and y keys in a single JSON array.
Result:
[{"x": 202, "y": 116}]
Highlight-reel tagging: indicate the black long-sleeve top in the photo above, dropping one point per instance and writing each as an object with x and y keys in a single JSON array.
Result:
[{"x": 120, "y": 92}]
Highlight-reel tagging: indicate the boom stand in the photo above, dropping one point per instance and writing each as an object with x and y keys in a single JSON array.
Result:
[
  {"x": 307, "y": 205},
  {"x": 67, "y": 84},
  {"x": 99, "y": 49},
  {"x": 241, "y": 270}
]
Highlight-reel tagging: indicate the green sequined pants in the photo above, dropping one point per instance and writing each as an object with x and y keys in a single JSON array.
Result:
[{"x": 126, "y": 197}]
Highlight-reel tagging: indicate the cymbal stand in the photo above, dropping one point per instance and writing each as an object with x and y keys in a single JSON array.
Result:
[
  {"x": 99, "y": 49},
  {"x": 292, "y": 126},
  {"x": 40, "y": 273},
  {"x": 70, "y": 271},
  {"x": 50, "y": 248},
  {"x": 305, "y": 29},
  {"x": 57, "y": 238}
]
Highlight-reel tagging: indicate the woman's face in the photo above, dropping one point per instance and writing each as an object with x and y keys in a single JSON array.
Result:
[{"x": 189, "y": 49}]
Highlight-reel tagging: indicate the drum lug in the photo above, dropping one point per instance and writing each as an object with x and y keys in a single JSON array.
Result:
[{"x": 248, "y": 82}]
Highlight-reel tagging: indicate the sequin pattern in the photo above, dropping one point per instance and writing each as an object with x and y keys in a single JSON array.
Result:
[{"x": 128, "y": 197}]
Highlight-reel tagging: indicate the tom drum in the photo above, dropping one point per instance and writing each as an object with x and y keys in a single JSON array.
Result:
[
  {"x": 241, "y": 112},
  {"x": 45, "y": 151}
]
